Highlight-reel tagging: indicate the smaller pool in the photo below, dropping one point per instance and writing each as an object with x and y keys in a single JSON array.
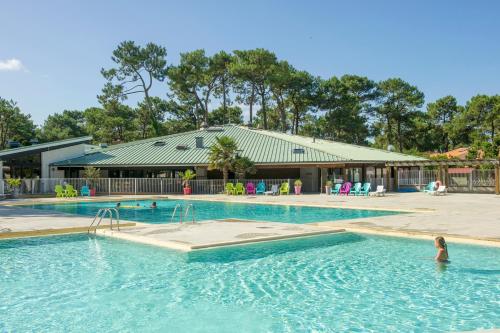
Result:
[{"x": 209, "y": 210}]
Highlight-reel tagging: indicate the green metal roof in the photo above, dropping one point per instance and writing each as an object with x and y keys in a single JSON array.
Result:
[
  {"x": 262, "y": 147},
  {"x": 13, "y": 152}
]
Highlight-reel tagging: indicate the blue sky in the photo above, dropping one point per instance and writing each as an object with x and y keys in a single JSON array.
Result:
[{"x": 58, "y": 47}]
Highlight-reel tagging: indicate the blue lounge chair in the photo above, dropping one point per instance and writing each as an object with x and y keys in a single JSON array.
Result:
[
  {"x": 336, "y": 189},
  {"x": 261, "y": 188},
  {"x": 355, "y": 189},
  {"x": 365, "y": 190},
  {"x": 85, "y": 191},
  {"x": 430, "y": 187}
]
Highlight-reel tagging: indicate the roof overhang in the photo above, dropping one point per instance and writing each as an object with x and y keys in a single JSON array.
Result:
[
  {"x": 42, "y": 147},
  {"x": 442, "y": 163}
]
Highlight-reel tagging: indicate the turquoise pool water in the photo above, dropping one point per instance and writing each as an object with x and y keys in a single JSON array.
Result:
[
  {"x": 334, "y": 283},
  {"x": 208, "y": 210}
]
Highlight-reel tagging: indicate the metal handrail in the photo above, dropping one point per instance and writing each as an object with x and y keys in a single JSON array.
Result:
[
  {"x": 101, "y": 213},
  {"x": 173, "y": 214},
  {"x": 193, "y": 212}
]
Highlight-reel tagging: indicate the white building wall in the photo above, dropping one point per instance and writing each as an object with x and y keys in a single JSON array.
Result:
[{"x": 56, "y": 155}]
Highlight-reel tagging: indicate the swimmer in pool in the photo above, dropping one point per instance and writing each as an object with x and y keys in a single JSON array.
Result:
[
  {"x": 442, "y": 254},
  {"x": 118, "y": 205},
  {"x": 153, "y": 205}
]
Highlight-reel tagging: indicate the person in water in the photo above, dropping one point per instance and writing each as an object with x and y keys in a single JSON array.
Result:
[
  {"x": 153, "y": 205},
  {"x": 442, "y": 254},
  {"x": 118, "y": 204}
]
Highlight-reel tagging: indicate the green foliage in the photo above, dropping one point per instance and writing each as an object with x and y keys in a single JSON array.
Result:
[
  {"x": 222, "y": 155},
  {"x": 243, "y": 166},
  {"x": 137, "y": 68},
  {"x": 297, "y": 182},
  {"x": 65, "y": 125},
  {"x": 91, "y": 174},
  {"x": 232, "y": 115},
  {"x": 14, "y": 182},
  {"x": 14, "y": 125},
  {"x": 186, "y": 176}
]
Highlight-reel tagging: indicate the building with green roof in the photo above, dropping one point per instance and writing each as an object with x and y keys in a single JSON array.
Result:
[{"x": 276, "y": 155}]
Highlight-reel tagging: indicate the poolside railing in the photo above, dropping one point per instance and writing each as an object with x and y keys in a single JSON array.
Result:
[{"x": 109, "y": 186}]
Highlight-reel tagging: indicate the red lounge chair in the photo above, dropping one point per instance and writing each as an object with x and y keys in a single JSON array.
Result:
[
  {"x": 250, "y": 188},
  {"x": 346, "y": 188}
]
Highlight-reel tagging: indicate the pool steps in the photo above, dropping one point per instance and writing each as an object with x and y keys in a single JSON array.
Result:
[{"x": 101, "y": 213}]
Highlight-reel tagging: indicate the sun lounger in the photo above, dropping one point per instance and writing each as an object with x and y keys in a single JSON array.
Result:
[
  {"x": 60, "y": 193},
  {"x": 441, "y": 190},
  {"x": 250, "y": 188},
  {"x": 239, "y": 189},
  {"x": 284, "y": 188},
  {"x": 380, "y": 190},
  {"x": 229, "y": 188},
  {"x": 70, "y": 191},
  {"x": 355, "y": 189},
  {"x": 430, "y": 187},
  {"x": 336, "y": 189},
  {"x": 345, "y": 189},
  {"x": 261, "y": 188},
  {"x": 84, "y": 191},
  {"x": 274, "y": 190},
  {"x": 365, "y": 190}
]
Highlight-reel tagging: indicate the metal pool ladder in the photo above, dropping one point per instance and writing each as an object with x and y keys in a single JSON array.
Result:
[
  {"x": 101, "y": 213},
  {"x": 189, "y": 209}
]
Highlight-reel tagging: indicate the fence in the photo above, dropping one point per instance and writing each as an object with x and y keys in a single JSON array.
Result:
[
  {"x": 481, "y": 181},
  {"x": 110, "y": 186}
]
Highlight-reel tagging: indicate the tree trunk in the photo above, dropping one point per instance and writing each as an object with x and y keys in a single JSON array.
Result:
[
  {"x": 225, "y": 175},
  {"x": 389, "y": 131},
  {"x": 224, "y": 97},
  {"x": 400, "y": 139},
  {"x": 251, "y": 101},
  {"x": 264, "y": 111}
]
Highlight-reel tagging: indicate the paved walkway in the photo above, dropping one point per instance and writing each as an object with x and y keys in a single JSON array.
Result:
[{"x": 463, "y": 217}]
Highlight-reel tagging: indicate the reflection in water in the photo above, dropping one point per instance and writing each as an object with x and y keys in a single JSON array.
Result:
[{"x": 264, "y": 249}]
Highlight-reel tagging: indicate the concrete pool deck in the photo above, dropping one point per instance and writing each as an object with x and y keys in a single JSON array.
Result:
[{"x": 470, "y": 218}]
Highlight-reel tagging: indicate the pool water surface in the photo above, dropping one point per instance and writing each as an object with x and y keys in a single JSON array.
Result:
[
  {"x": 140, "y": 211},
  {"x": 332, "y": 283}
]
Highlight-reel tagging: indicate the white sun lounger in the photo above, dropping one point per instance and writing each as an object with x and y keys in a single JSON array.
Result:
[
  {"x": 380, "y": 191},
  {"x": 440, "y": 191}
]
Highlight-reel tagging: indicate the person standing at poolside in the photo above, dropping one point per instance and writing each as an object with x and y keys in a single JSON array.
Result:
[{"x": 442, "y": 254}]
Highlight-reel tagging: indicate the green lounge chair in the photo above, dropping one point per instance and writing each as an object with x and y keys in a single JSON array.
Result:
[
  {"x": 70, "y": 191},
  {"x": 355, "y": 189},
  {"x": 285, "y": 188},
  {"x": 365, "y": 190},
  {"x": 60, "y": 193},
  {"x": 430, "y": 187},
  {"x": 229, "y": 188},
  {"x": 239, "y": 189},
  {"x": 336, "y": 189}
]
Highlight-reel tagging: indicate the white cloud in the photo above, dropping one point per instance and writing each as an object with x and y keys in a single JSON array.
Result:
[{"x": 11, "y": 65}]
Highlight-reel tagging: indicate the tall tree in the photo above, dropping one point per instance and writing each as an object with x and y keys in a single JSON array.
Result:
[
  {"x": 348, "y": 102},
  {"x": 302, "y": 96},
  {"x": 280, "y": 82},
  {"x": 222, "y": 154},
  {"x": 483, "y": 113},
  {"x": 221, "y": 63},
  {"x": 115, "y": 123},
  {"x": 143, "y": 119},
  {"x": 14, "y": 125},
  {"x": 253, "y": 69},
  {"x": 399, "y": 101},
  {"x": 232, "y": 115},
  {"x": 441, "y": 115},
  {"x": 194, "y": 80},
  {"x": 137, "y": 68},
  {"x": 59, "y": 126}
]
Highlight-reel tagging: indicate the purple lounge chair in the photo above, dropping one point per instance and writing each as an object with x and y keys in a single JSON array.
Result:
[
  {"x": 250, "y": 188},
  {"x": 345, "y": 189}
]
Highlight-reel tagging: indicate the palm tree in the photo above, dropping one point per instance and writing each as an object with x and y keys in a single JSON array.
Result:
[
  {"x": 221, "y": 156},
  {"x": 242, "y": 166}
]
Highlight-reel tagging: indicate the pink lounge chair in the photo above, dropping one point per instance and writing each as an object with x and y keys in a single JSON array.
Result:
[
  {"x": 250, "y": 188},
  {"x": 345, "y": 189}
]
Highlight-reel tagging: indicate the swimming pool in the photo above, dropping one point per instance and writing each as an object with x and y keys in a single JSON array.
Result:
[
  {"x": 210, "y": 210},
  {"x": 333, "y": 283}
]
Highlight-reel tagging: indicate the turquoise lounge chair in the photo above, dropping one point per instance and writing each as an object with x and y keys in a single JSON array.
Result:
[
  {"x": 261, "y": 188},
  {"x": 355, "y": 189},
  {"x": 85, "y": 191},
  {"x": 335, "y": 190},
  {"x": 365, "y": 190},
  {"x": 430, "y": 187}
]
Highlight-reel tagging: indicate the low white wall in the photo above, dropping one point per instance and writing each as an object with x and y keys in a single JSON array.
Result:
[{"x": 56, "y": 155}]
